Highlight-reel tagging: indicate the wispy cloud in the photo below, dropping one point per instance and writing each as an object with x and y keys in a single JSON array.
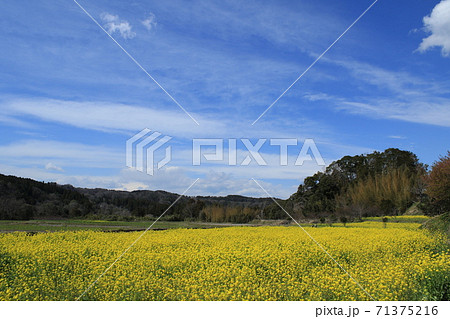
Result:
[
  {"x": 52, "y": 167},
  {"x": 435, "y": 112},
  {"x": 150, "y": 22},
  {"x": 397, "y": 82},
  {"x": 389, "y": 94},
  {"x": 244, "y": 22},
  {"x": 124, "y": 118},
  {"x": 438, "y": 24},
  {"x": 36, "y": 152},
  {"x": 105, "y": 116},
  {"x": 114, "y": 24}
]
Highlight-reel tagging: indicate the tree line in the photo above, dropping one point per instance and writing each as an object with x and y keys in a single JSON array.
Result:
[
  {"x": 24, "y": 198},
  {"x": 377, "y": 184}
]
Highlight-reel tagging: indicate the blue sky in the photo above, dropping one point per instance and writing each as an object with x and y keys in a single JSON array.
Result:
[{"x": 70, "y": 97}]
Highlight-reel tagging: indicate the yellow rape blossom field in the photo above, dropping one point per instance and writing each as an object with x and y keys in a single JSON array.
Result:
[{"x": 236, "y": 263}]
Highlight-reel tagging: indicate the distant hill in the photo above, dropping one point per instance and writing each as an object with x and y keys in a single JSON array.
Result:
[{"x": 24, "y": 198}]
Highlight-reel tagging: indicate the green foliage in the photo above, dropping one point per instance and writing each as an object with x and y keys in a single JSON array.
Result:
[
  {"x": 343, "y": 220},
  {"x": 221, "y": 214},
  {"x": 440, "y": 224},
  {"x": 372, "y": 184},
  {"x": 24, "y": 199}
]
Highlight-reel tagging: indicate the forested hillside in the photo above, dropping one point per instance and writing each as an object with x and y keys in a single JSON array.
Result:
[
  {"x": 23, "y": 198},
  {"x": 375, "y": 184}
]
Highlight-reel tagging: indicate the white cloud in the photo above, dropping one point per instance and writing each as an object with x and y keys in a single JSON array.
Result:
[
  {"x": 423, "y": 109},
  {"x": 438, "y": 24},
  {"x": 52, "y": 167},
  {"x": 394, "y": 94},
  {"x": 399, "y": 82},
  {"x": 317, "y": 97},
  {"x": 133, "y": 186},
  {"x": 123, "y": 118},
  {"x": 11, "y": 121},
  {"x": 426, "y": 112},
  {"x": 304, "y": 27},
  {"x": 38, "y": 152},
  {"x": 150, "y": 22},
  {"x": 111, "y": 117},
  {"x": 114, "y": 24}
]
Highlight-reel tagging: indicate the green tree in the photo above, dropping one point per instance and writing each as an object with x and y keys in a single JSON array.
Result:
[
  {"x": 368, "y": 177},
  {"x": 343, "y": 220}
]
